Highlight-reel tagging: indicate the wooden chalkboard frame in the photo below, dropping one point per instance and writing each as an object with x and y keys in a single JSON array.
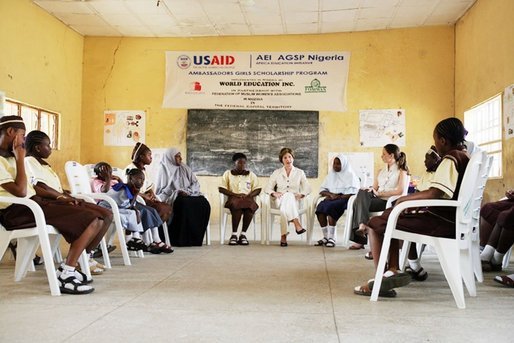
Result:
[{"x": 213, "y": 136}]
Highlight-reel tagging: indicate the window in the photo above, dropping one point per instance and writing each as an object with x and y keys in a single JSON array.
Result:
[
  {"x": 484, "y": 124},
  {"x": 35, "y": 118}
]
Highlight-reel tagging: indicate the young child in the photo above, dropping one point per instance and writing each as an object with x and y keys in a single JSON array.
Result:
[
  {"x": 125, "y": 196},
  {"x": 141, "y": 157},
  {"x": 48, "y": 185},
  {"x": 82, "y": 227},
  {"x": 448, "y": 136}
]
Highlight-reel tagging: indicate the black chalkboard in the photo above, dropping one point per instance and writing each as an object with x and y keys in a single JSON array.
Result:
[{"x": 213, "y": 136}]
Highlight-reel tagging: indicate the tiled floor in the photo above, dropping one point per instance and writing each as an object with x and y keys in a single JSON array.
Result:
[{"x": 249, "y": 294}]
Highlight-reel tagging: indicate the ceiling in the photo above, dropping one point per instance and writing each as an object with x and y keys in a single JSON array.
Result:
[{"x": 191, "y": 18}]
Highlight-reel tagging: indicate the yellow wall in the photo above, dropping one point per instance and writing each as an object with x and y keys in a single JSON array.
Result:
[
  {"x": 484, "y": 66},
  {"x": 409, "y": 68},
  {"x": 41, "y": 64}
]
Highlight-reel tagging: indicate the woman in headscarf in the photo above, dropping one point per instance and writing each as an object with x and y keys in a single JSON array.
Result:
[
  {"x": 141, "y": 157},
  {"x": 339, "y": 185},
  {"x": 178, "y": 186}
]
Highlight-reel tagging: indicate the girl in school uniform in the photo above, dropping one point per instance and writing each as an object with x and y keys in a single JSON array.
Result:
[
  {"x": 389, "y": 182},
  {"x": 141, "y": 157},
  {"x": 432, "y": 160},
  {"x": 500, "y": 216},
  {"x": 449, "y": 136},
  {"x": 286, "y": 186},
  {"x": 339, "y": 185},
  {"x": 240, "y": 186},
  {"x": 82, "y": 226},
  {"x": 136, "y": 217},
  {"x": 47, "y": 182}
]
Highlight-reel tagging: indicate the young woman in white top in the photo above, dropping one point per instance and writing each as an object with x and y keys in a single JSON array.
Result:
[
  {"x": 287, "y": 185},
  {"x": 389, "y": 182}
]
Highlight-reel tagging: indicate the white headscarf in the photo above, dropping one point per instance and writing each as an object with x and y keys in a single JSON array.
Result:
[
  {"x": 343, "y": 182},
  {"x": 172, "y": 178}
]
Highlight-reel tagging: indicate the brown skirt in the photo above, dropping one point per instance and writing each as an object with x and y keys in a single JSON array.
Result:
[
  {"x": 70, "y": 220},
  {"x": 491, "y": 211},
  {"x": 423, "y": 223},
  {"x": 236, "y": 203}
]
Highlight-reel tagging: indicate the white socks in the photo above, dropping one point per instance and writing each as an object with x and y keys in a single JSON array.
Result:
[
  {"x": 155, "y": 235},
  {"x": 497, "y": 258},
  {"x": 67, "y": 271},
  {"x": 324, "y": 230},
  {"x": 487, "y": 253},
  {"x": 415, "y": 265},
  {"x": 331, "y": 230}
]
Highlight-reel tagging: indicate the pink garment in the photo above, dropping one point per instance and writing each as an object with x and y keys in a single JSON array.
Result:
[{"x": 97, "y": 184}]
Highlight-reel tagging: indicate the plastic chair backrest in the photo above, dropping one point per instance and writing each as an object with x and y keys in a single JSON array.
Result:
[
  {"x": 77, "y": 177},
  {"x": 470, "y": 195}
]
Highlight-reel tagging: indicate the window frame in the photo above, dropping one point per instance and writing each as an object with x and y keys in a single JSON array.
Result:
[
  {"x": 19, "y": 105},
  {"x": 497, "y": 97}
]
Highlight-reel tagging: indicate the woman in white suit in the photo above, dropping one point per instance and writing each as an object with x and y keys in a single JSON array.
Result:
[{"x": 287, "y": 185}]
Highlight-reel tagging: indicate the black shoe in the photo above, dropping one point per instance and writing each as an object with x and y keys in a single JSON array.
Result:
[
  {"x": 38, "y": 260},
  {"x": 283, "y": 244},
  {"x": 98, "y": 251},
  {"x": 299, "y": 232}
]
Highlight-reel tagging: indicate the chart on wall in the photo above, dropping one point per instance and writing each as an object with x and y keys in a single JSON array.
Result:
[
  {"x": 381, "y": 127},
  {"x": 213, "y": 136},
  {"x": 124, "y": 128},
  {"x": 508, "y": 111}
]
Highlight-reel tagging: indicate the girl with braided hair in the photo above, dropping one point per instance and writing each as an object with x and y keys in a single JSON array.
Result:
[
  {"x": 449, "y": 135},
  {"x": 82, "y": 226},
  {"x": 141, "y": 157}
]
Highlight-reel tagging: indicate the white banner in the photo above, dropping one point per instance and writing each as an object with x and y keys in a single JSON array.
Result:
[{"x": 311, "y": 81}]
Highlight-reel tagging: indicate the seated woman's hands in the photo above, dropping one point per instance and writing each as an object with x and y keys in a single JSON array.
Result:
[
  {"x": 277, "y": 195},
  {"x": 298, "y": 196},
  {"x": 510, "y": 194}
]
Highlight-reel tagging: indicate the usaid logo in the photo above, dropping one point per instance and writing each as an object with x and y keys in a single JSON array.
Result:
[{"x": 183, "y": 61}]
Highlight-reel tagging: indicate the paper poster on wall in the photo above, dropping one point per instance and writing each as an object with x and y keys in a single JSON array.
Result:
[
  {"x": 124, "y": 128},
  {"x": 381, "y": 127},
  {"x": 362, "y": 164},
  {"x": 508, "y": 111}
]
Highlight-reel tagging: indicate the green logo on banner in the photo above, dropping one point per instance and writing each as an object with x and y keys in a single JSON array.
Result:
[{"x": 315, "y": 87}]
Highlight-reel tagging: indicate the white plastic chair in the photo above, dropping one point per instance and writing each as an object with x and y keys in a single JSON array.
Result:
[
  {"x": 225, "y": 212},
  {"x": 78, "y": 180},
  {"x": 455, "y": 254},
  {"x": 268, "y": 214},
  {"x": 28, "y": 242},
  {"x": 349, "y": 210}
]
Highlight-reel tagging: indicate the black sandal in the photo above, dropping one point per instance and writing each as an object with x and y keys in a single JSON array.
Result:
[
  {"x": 420, "y": 275},
  {"x": 242, "y": 240},
  {"x": 301, "y": 231},
  {"x": 71, "y": 285},
  {"x": 321, "y": 242},
  {"x": 330, "y": 243},
  {"x": 136, "y": 244},
  {"x": 233, "y": 240},
  {"x": 81, "y": 277},
  {"x": 283, "y": 244}
]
